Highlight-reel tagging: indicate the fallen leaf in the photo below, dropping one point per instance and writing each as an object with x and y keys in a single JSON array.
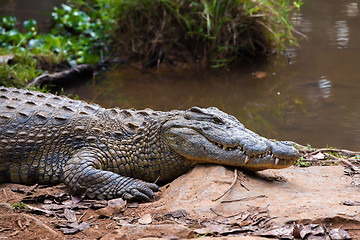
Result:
[
  {"x": 70, "y": 215},
  {"x": 117, "y": 202},
  {"x": 46, "y": 198},
  {"x": 77, "y": 198},
  {"x": 305, "y": 231},
  {"x": 178, "y": 213},
  {"x": 296, "y": 231},
  {"x": 133, "y": 205},
  {"x": 282, "y": 232},
  {"x": 53, "y": 207},
  {"x": 75, "y": 227},
  {"x": 318, "y": 156},
  {"x": 317, "y": 230},
  {"x": 146, "y": 219},
  {"x": 339, "y": 234}
]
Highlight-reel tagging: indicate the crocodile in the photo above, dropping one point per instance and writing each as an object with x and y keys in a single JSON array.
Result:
[{"x": 120, "y": 153}]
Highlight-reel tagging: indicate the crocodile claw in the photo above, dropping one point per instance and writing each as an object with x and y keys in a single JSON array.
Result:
[{"x": 139, "y": 190}]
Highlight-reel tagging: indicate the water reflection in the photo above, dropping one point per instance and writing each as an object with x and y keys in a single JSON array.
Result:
[
  {"x": 352, "y": 9},
  {"x": 303, "y": 25},
  {"x": 342, "y": 34},
  {"x": 325, "y": 87}
]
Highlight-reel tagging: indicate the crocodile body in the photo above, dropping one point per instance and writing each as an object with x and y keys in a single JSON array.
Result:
[{"x": 108, "y": 153}]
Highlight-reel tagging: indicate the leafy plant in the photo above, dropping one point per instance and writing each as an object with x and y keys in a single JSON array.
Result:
[
  {"x": 19, "y": 206},
  {"x": 75, "y": 38}
]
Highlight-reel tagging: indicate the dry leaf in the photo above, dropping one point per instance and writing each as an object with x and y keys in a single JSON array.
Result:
[
  {"x": 117, "y": 202},
  {"x": 318, "y": 156},
  {"x": 339, "y": 234},
  {"x": 146, "y": 219},
  {"x": 70, "y": 215},
  {"x": 75, "y": 227},
  {"x": 178, "y": 213}
]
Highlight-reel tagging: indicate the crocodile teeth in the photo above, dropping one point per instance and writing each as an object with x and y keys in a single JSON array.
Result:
[
  {"x": 247, "y": 159},
  {"x": 224, "y": 148},
  {"x": 276, "y": 161}
]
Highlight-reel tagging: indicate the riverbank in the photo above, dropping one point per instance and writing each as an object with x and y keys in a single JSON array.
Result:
[
  {"x": 314, "y": 202},
  {"x": 176, "y": 34}
]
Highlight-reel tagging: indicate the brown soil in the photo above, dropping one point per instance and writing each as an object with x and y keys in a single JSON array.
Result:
[{"x": 312, "y": 203}]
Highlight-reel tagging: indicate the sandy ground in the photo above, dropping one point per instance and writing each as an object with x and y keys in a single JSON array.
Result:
[{"x": 318, "y": 202}]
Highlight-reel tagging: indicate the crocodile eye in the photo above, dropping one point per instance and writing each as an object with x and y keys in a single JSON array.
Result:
[
  {"x": 217, "y": 120},
  {"x": 196, "y": 110}
]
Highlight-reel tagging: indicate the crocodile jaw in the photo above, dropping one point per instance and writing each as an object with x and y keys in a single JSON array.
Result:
[{"x": 229, "y": 143}]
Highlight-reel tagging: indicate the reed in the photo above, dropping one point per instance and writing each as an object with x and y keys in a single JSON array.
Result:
[{"x": 214, "y": 32}]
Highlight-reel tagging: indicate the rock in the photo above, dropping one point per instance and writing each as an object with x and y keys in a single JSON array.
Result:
[{"x": 291, "y": 194}]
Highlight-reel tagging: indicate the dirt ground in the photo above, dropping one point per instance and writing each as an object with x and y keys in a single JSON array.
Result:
[{"x": 316, "y": 202}]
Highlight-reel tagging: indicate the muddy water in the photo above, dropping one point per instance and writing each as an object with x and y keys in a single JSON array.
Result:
[{"x": 312, "y": 97}]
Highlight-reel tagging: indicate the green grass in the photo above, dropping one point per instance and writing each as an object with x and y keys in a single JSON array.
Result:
[{"x": 213, "y": 32}]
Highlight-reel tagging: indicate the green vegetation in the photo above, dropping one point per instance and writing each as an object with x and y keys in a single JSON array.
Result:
[
  {"x": 302, "y": 163},
  {"x": 19, "y": 206},
  {"x": 214, "y": 33},
  {"x": 74, "y": 38}
]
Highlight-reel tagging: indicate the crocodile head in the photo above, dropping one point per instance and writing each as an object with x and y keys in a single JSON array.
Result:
[{"x": 212, "y": 136}]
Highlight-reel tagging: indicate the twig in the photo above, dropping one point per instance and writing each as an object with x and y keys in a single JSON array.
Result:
[
  {"x": 244, "y": 199},
  {"x": 349, "y": 165},
  {"x": 220, "y": 215},
  {"x": 79, "y": 220},
  {"x": 32, "y": 189},
  {"x": 244, "y": 187},
  {"x": 107, "y": 227},
  {"x": 232, "y": 184},
  {"x": 312, "y": 151},
  {"x": 12, "y": 234},
  {"x": 329, "y": 161},
  {"x": 157, "y": 179},
  {"x": 348, "y": 152},
  {"x": 4, "y": 192}
]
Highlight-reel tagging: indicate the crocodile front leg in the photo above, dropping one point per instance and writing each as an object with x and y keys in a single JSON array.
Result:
[{"x": 85, "y": 172}]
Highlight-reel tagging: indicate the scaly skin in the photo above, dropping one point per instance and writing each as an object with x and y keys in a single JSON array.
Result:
[{"x": 104, "y": 153}]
